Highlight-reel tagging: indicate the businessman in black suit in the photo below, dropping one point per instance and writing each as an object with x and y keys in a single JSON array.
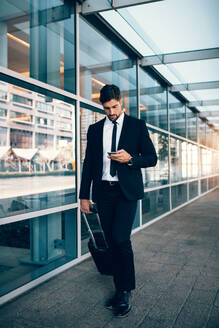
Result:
[{"x": 117, "y": 148}]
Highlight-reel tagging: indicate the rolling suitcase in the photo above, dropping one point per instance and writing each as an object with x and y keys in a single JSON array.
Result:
[{"x": 98, "y": 247}]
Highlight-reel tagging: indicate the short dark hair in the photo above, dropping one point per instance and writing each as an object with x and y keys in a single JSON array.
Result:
[{"x": 108, "y": 92}]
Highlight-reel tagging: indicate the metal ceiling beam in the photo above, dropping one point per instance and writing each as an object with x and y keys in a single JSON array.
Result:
[
  {"x": 94, "y": 6},
  {"x": 197, "y": 103},
  {"x": 194, "y": 86},
  {"x": 210, "y": 113},
  {"x": 179, "y": 57}
]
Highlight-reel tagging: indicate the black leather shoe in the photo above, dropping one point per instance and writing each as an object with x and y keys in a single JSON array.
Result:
[{"x": 123, "y": 305}]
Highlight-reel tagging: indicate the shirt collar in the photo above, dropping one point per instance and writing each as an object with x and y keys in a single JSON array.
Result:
[{"x": 119, "y": 120}]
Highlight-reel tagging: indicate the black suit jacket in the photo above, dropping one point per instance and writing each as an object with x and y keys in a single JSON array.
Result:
[{"x": 136, "y": 141}]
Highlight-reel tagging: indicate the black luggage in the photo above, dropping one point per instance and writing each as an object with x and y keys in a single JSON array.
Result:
[{"x": 98, "y": 247}]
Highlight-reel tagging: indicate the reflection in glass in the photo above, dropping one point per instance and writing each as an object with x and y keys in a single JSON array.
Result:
[
  {"x": 155, "y": 203},
  {"x": 179, "y": 195},
  {"x": 191, "y": 125},
  {"x": 193, "y": 163},
  {"x": 153, "y": 101},
  {"x": 38, "y": 40},
  {"x": 87, "y": 117},
  {"x": 177, "y": 116},
  {"x": 193, "y": 189},
  {"x": 105, "y": 64},
  {"x": 204, "y": 185},
  {"x": 213, "y": 182},
  {"x": 178, "y": 159},
  {"x": 202, "y": 132},
  {"x": 37, "y": 150},
  {"x": 3, "y": 140},
  {"x": 31, "y": 248},
  {"x": 158, "y": 175},
  {"x": 206, "y": 162}
]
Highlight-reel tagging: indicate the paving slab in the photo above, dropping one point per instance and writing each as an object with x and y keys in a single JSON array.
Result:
[{"x": 177, "y": 272}]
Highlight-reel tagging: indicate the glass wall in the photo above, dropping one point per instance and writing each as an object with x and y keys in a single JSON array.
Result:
[
  {"x": 202, "y": 131},
  {"x": 153, "y": 101},
  {"x": 158, "y": 175},
  {"x": 191, "y": 125},
  {"x": 193, "y": 189},
  {"x": 193, "y": 162},
  {"x": 38, "y": 139},
  {"x": 179, "y": 194},
  {"x": 178, "y": 159},
  {"x": 37, "y": 150},
  {"x": 105, "y": 64},
  {"x": 31, "y": 248},
  {"x": 154, "y": 204},
  {"x": 177, "y": 116},
  {"x": 38, "y": 40},
  {"x": 204, "y": 185}
]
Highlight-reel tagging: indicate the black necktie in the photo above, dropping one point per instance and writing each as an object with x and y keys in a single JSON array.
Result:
[{"x": 113, "y": 148}]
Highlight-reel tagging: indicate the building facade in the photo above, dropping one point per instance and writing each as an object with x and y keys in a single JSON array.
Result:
[{"x": 53, "y": 63}]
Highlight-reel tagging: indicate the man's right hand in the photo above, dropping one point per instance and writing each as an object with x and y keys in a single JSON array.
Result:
[{"x": 86, "y": 206}]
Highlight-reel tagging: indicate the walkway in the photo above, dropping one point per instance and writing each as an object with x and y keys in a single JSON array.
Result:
[{"x": 177, "y": 269}]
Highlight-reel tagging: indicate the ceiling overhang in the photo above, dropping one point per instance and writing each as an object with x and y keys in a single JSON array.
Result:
[{"x": 94, "y": 6}]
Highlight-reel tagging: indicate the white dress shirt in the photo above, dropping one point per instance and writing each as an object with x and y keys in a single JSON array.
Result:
[{"x": 107, "y": 140}]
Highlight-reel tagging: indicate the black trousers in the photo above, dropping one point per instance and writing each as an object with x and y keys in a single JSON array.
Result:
[{"x": 117, "y": 216}]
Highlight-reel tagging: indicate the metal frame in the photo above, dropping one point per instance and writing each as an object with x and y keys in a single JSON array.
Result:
[
  {"x": 180, "y": 57},
  {"x": 78, "y": 152},
  {"x": 197, "y": 103},
  {"x": 32, "y": 84},
  {"x": 194, "y": 86},
  {"x": 94, "y": 6}
]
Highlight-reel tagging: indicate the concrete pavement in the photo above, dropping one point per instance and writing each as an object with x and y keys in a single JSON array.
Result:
[{"x": 177, "y": 271}]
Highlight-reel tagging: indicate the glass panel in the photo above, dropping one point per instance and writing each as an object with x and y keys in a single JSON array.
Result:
[
  {"x": 171, "y": 37},
  {"x": 106, "y": 65},
  {"x": 178, "y": 160},
  {"x": 153, "y": 101},
  {"x": 38, "y": 40},
  {"x": 198, "y": 71},
  {"x": 3, "y": 140},
  {"x": 158, "y": 175},
  {"x": 193, "y": 163},
  {"x": 204, "y": 185},
  {"x": 37, "y": 149},
  {"x": 179, "y": 195},
  {"x": 31, "y": 248},
  {"x": 209, "y": 137},
  {"x": 206, "y": 162},
  {"x": 154, "y": 204},
  {"x": 123, "y": 26},
  {"x": 191, "y": 125},
  {"x": 193, "y": 189},
  {"x": 215, "y": 163},
  {"x": 212, "y": 182},
  {"x": 177, "y": 116},
  {"x": 202, "y": 132},
  {"x": 87, "y": 117}
]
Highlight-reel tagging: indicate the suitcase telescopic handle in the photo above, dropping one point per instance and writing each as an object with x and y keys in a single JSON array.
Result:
[
  {"x": 89, "y": 229},
  {"x": 94, "y": 210}
]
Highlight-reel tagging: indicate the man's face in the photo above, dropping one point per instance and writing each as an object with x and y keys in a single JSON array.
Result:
[{"x": 113, "y": 109}]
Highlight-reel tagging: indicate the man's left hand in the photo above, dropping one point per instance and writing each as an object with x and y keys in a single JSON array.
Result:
[{"x": 121, "y": 156}]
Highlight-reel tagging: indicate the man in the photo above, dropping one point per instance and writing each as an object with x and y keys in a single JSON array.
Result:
[{"x": 117, "y": 148}]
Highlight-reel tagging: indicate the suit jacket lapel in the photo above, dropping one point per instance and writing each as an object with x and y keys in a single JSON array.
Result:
[
  {"x": 99, "y": 144},
  {"x": 124, "y": 133}
]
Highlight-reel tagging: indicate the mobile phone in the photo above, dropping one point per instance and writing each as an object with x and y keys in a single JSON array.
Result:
[{"x": 112, "y": 152}]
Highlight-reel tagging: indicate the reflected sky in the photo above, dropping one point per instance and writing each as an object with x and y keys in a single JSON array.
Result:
[{"x": 174, "y": 26}]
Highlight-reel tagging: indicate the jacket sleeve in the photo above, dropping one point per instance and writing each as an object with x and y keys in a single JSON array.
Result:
[
  {"x": 86, "y": 178},
  {"x": 147, "y": 156}
]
